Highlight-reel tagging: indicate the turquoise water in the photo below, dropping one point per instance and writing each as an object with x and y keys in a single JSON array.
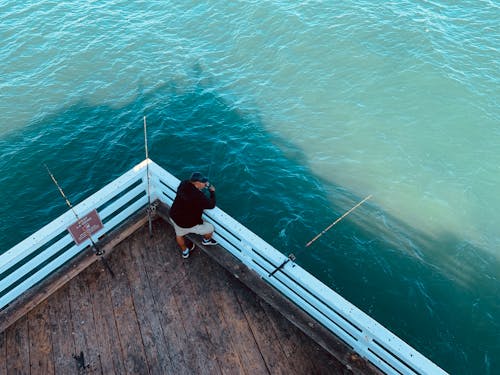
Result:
[{"x": 297, "y": 111}]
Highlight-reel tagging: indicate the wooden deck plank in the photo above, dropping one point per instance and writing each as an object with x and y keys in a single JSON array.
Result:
[
  {"x": 305, "y": 359},
  {"x": 242, "y": 338},
  {"x": 200, "y": 348},
  {"x": 18, "y": 348},
  {"x": 213, "y": 315},
  {"x": 86, "y": 353},
  {"x": 197, "y": 351},
  {"x": 63, "y": 343},
  {"x": 164, "y": 257},
  {"x": 148, "y": 312},
  {"x": 40, "y": 338},
  {"x": 129, "y": 331},
  {"x": 265, "y": 336},
  {"x": 3, "y": 354},
  {"x": 165, "y": 268},
  {"x": 107, "y": 339}
]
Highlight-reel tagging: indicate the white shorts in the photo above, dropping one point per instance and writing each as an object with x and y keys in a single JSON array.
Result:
[{"x": 202, "y": 229}]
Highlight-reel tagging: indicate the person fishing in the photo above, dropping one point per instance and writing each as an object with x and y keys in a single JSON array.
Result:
[{"x": 186, "y": 211}]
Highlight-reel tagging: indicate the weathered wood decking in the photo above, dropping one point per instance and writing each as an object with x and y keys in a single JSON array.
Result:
[{"x": 160, "y": 314}]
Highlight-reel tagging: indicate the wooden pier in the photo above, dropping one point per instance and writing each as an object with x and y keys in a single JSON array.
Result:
[{"x": 161, "y": 314}]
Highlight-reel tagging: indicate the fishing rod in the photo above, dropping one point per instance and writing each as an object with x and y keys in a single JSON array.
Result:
[
  {"x": 292, "y": 257},
  {"x": 97, "y": 250},
  {"x": 339, "y": 219},
  {"x": 147, "y": 177}
]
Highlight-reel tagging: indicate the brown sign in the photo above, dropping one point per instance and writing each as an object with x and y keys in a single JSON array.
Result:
[{"x": 87, "y": 225}]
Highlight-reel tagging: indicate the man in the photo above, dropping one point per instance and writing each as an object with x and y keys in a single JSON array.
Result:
[{"x": 186, "y": 211}]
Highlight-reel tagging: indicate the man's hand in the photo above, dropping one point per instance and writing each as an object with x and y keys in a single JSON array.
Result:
[{"x": 211, "y": 188}]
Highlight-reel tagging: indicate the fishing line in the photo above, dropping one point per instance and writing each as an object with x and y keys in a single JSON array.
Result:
[{"x": 96, "y": 249}]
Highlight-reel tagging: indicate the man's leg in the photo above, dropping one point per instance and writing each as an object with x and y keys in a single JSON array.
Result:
[
  {"x": 181, "y": 242},
  {"x": 207, "y": 233},
  {"x": 186, "y": 246}
]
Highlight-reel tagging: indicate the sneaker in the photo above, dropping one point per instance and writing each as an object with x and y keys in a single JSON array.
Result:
[
  {"x": 185, "y": 253},
  {"x": 208, "y": 242}
]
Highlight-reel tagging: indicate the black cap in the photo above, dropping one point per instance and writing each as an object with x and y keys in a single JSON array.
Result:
[{"x": 198, "y": 177}]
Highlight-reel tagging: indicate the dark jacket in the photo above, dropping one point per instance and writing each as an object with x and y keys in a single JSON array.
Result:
[{"x": 189, "y": 204}]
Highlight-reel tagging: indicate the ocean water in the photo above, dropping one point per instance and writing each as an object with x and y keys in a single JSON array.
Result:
[{"x": 297, "y": 111}]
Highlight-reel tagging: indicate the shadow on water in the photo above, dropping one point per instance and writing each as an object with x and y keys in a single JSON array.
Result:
[{"x": 439, "y": 294}]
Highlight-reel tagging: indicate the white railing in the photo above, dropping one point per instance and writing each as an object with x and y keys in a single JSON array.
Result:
[
  {"x": 52, "y": 246},
  {"x": 39, "y": 255}
]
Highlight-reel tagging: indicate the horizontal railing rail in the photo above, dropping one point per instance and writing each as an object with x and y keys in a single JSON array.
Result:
[{"x": 48, "y": 249}]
